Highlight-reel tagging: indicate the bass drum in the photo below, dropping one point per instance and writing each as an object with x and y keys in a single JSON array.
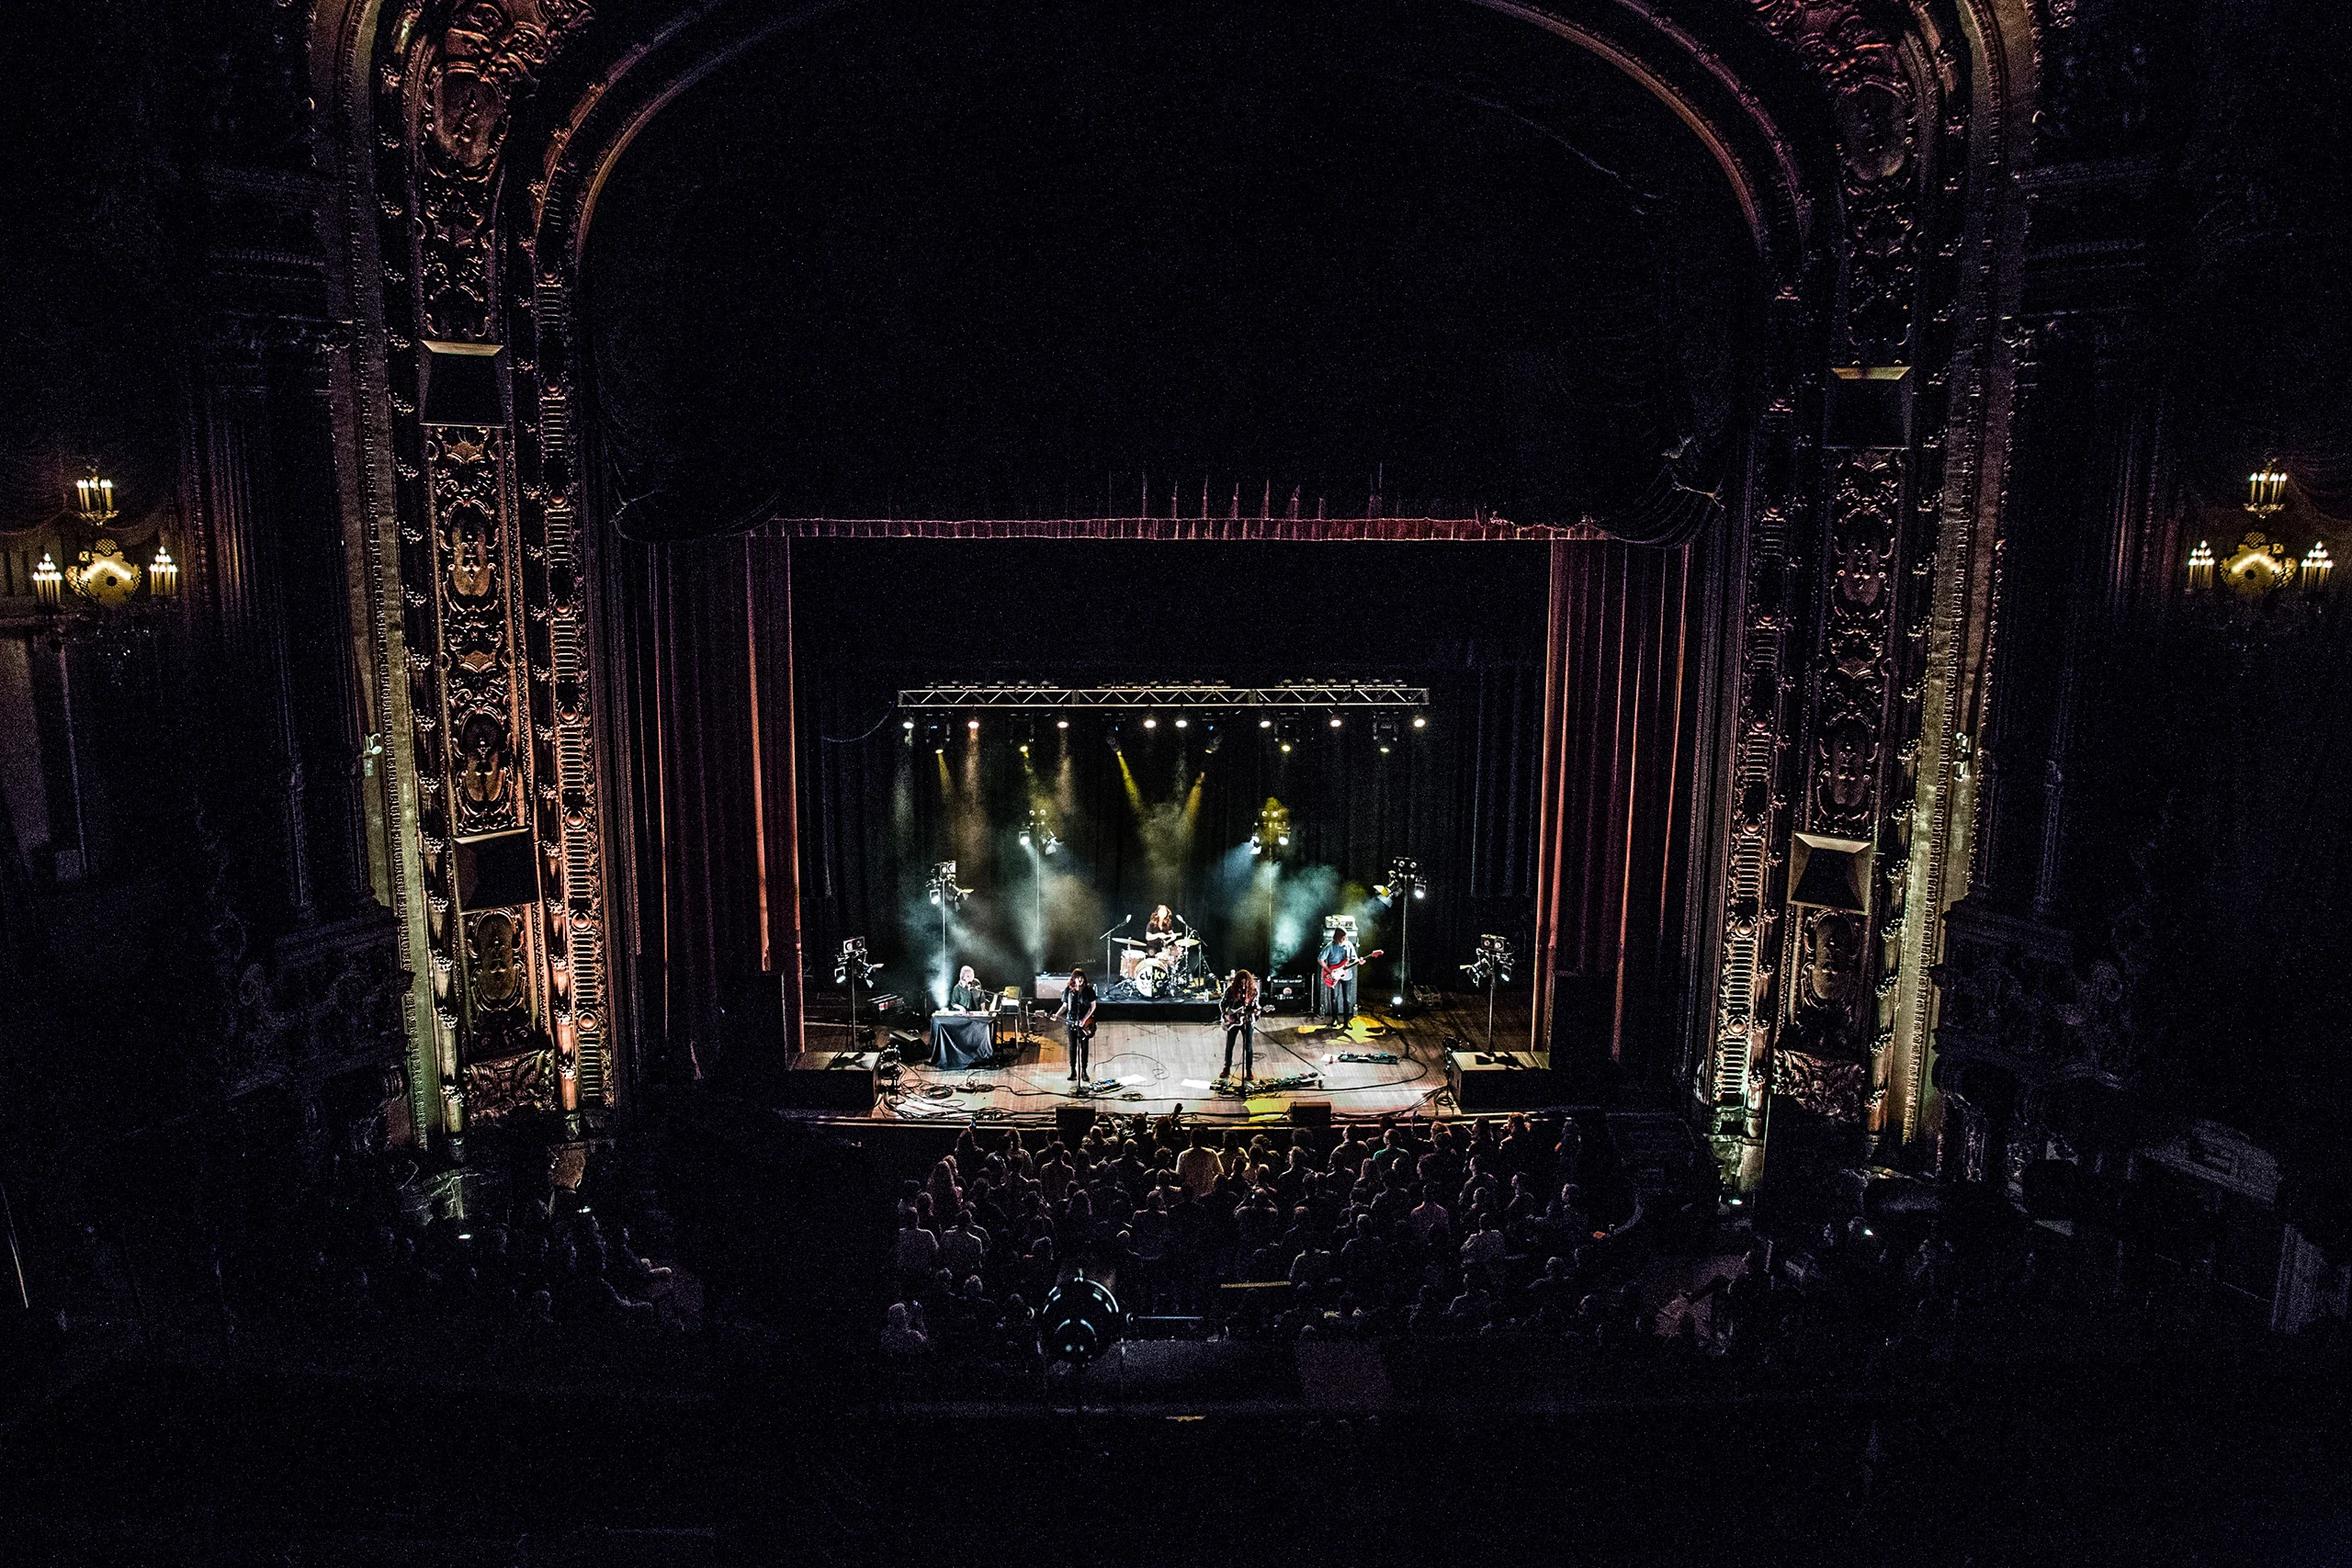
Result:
[{"x": 1151, "y": 977}]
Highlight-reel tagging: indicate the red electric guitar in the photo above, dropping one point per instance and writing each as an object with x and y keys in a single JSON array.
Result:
[{"x": 1335, "y": 973}]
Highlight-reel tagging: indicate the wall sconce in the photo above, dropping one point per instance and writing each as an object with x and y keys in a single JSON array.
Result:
[
  {"x": 2317, "y": 565},
  {"x": 48, "y": 583},
  {"x": 163, "y": 574},
  {"x": 2266, "y": 491},
  {"x": 2200, "y": 567}
]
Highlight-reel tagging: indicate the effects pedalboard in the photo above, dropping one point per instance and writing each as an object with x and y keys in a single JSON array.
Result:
[
  {"x": 1382, "y": 1058},
  {"x": 1246, "y": 1087}
]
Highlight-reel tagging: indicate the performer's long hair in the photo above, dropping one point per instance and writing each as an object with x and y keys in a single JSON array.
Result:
[
  {"x": 1242, "y": 990},
  {"x": 1161, "y": 920}
]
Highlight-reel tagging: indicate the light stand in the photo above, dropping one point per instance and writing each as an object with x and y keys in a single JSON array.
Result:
[
  {"x": 852, "y": 968},
  {"x": 1489, "y": 967},
  {"x": 1038, "y": 838},
  {"x": 947, "y": 895},
  {"x": 1404, "y": 886},
  {"x": 1268, "y": 842}
]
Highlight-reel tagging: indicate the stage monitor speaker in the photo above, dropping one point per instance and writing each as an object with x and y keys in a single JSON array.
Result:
[
  {"x": 1507, "y": 1080},
  {"x": 1072, "y": 1123},
  {"x": 1311, "y": 1115},
  {"x": 839, "y": 1081}
]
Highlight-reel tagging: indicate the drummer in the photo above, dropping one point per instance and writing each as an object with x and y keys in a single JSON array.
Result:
[{"x": 1159, "y": 930}]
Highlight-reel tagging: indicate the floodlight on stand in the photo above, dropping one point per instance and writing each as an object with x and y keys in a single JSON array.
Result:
[
  {"x": 947, "y": 895},
  {"x": 1490, "y": 966},
  {"x": 1405, "y": 882},
  {"x": 852, "y": 968}
]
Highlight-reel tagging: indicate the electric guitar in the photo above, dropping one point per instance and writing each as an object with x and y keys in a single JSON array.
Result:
[
  {"x": 1236, "y": 1017},
  {"x": 1335, "y": 973}
]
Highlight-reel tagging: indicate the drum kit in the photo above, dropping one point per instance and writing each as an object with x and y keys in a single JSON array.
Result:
[{"x": 1161, "y": 969}]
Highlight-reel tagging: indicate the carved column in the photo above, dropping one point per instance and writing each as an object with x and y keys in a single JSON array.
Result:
[{"x": 495, "y": 672}]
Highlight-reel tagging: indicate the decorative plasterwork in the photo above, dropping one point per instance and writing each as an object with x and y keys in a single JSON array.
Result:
[{"x": 1854, "y": 608}]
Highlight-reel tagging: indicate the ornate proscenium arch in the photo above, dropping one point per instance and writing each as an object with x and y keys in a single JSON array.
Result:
[{"x": 1868, "y": 146}]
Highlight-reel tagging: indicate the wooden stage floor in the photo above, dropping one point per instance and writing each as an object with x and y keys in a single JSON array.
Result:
[{"x": 1162, "y": 1065}]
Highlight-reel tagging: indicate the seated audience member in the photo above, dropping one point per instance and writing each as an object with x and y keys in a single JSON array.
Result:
[{"x": 902, "y": 1336}]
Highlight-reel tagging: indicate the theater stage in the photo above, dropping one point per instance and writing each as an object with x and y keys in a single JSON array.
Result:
[{"x": 1161, "y": 1065}]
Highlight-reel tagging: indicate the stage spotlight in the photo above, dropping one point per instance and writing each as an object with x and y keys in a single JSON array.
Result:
[
  {"x": 1285, "y": 745},
  {"x": 1151, "y": 724},
  {"x": 909, "y": 726},
  {"x": 1183, "y": 724},
  {"x": 1385, "y": 730},
  {"x": 1265, "y": 724},
  {"x": 973, "y": 724},
  {"x": 1334, "y": 721},
  {"x": 1282, "y": 837},
  {"x": 1419, "y": 723},
  {"x": 1061, "y": 724}
]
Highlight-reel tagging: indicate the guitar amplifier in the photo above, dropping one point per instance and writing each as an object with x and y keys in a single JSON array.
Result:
[
  {"x": 1051, "y": 986},
  {"x": 1287, "y": 993}
]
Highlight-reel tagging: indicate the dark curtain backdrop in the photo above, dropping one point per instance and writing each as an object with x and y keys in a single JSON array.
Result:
[
  {"x": 702, "y": 634},
  {"x": 699, "y": 731},
  {"x": 880, "y": 808},
  {"x": 1630, "y": 624}
]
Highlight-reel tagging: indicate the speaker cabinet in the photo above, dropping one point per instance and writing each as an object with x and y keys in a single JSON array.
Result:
[
  {"x": 1505, "y": 1080},
  {"x": 838, "y": 1081},
  {"x": 1311, "y": 1115},
  {"x": 1072, "y": 1123}
]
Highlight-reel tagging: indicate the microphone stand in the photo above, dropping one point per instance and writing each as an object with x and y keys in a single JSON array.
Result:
[{"x": 1110, "y": 959}]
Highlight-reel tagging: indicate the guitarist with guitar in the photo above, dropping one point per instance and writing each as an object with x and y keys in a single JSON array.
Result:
[
  {"x": 1339, "y": 962},
  {"x": 1240, "y": 1011},
  {"x": 1078, "y": 1009}
]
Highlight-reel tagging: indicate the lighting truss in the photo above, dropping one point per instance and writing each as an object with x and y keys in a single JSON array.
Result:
[{"x": 1179, "y": 695}]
